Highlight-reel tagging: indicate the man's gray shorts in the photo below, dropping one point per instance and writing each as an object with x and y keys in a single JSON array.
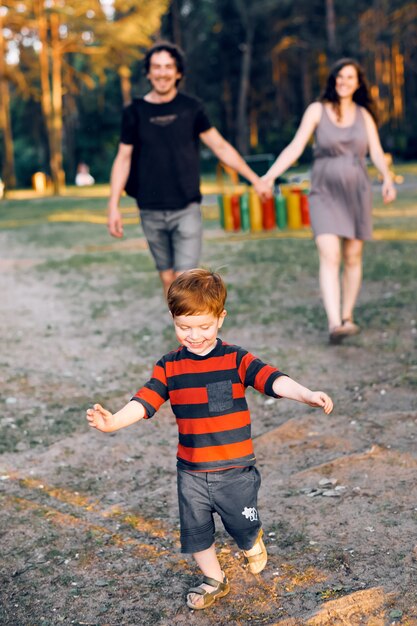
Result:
[
  {"x": 174, "y": 237},
  {"x": 232, "y": 493}
]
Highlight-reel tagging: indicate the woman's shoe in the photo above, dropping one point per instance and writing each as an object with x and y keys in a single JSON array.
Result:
[
  {"x": 337, "y": 334},
  {"x": 346, "y": 329},
  {"x": 350, "y": 327}
]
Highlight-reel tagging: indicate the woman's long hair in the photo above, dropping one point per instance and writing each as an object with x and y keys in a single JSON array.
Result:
[{"x": 361, "y": 96}]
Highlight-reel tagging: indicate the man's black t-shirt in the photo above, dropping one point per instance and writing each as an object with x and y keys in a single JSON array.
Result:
[{"x": 165, "y": 160}]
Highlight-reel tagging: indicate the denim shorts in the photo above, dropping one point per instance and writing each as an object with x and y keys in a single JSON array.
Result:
[
  {"x": 231, "y": 493},
  {"x": 174, "y": 237}
]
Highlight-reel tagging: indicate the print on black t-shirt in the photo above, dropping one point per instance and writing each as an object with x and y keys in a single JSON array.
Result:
[{"x": 163, "y": 120}]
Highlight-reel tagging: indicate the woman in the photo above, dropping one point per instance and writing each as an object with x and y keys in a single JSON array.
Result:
[{"x": 340, "y": 200}]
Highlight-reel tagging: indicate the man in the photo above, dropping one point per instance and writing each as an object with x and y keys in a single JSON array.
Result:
[{"x": 160, "y": 139}]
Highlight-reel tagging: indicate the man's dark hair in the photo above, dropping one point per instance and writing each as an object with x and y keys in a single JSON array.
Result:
[{"x": 175, "y": 51}]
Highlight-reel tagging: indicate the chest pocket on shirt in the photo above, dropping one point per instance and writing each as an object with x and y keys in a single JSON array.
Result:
[{"x": 220, "y": 396}]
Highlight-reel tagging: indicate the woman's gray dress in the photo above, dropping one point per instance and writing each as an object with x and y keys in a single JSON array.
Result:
[{"x": 341, "y": 198}]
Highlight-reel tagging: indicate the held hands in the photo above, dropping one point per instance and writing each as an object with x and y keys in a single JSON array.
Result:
[
  {"x": 263, "y": 188},
  {"x": 269, "y": 182},
  {"x": 99, "y": 418},
  {"x": 389, "y": 192},
  {"x": 321, "y": 400}
]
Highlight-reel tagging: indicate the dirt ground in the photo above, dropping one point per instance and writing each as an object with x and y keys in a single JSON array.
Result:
[{"x": 89, "y": 522}]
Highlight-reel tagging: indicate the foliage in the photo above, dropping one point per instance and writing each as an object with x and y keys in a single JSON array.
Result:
[
  {"x": 69, "y": 50},
  {"x": 256, "y": 65},
  {"x": 290, "y": 61}
]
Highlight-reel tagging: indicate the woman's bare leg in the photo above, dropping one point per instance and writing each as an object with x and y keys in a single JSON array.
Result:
[
  {"x": 352, "y": 275},
  {"x": 328, "y": 247}
]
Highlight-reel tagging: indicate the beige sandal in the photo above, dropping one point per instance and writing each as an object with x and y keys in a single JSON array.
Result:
[
  {"x": 336, "y": 335},
  {"x": 350, "y": 327},
  {"x": 220, "y": 589},
  {"x": 346, "y": 329},
  {"x": 256, "y": 562}
]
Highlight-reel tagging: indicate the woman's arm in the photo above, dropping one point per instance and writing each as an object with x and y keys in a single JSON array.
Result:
[
  {"x": 308, "y": 125},
  {"x": 378, "y": 158}
]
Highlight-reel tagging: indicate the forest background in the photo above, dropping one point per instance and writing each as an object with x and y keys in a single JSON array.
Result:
[{"x": 67, "y": 69}]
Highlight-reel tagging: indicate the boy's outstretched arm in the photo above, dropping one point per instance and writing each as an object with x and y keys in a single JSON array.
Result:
[
  {"x": 107, "y": 422},
  {"x": 288, "y": 388}
]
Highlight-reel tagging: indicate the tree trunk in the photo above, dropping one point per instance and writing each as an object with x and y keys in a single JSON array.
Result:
[
  {"x": 397, "y": 82},
  {"x": 8, "y": 171},
  {"x": 51, "y": 99},
  {"x": 228, "y": 108},
  {"x": 332, "y": 45},
  {"x": 46, "y": 97},
  {"x": 242, "y": 107},
  {"x": 125, "y": 84},
  {"x": 306, "y": 79},
  {"x": 58, "y": 175},
  {"x": 176, "y": 23}
]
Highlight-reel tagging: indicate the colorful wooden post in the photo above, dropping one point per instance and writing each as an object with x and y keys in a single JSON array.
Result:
[
  {"x": 285, "y": 190},
  {"x": 304, "y": 208},
  {"x": 281, "y": 211},
  {"x": 228, "y": 218},
  {"x": 235, "y": 206},
  {"x": 268, "y": 213},
  {"x": 244, "y": 212},
  {"x": 293, "y": 209},
  {"x": 255, "y": 211},
  {"x": 221, "y": 209}
]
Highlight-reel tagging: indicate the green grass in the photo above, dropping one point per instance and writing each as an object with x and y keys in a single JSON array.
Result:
[
  {"x": 127, "y": 262},
  {"x": 390, "y": 261},
  {"x": 34, "y": 212},
  {"x": 88, "y": 249},
  {"x": 44, "y": 206}
]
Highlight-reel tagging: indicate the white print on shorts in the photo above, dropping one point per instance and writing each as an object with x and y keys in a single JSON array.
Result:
[{"x": 250, "y": 513}]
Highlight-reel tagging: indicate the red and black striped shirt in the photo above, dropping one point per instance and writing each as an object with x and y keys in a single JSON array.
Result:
[{"x": 207, "y": 395}]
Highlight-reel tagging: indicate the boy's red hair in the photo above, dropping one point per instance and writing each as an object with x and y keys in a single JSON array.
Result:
[{"x": 197, "y": 292}]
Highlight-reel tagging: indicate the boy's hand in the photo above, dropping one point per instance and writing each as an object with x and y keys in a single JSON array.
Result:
[
  {"x": 99, "y": 418},
  {"x": 320, "y": 399}
]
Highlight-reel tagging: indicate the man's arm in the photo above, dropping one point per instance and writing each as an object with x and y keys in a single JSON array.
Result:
[
  {"x": 226, "y": 153},
  {"x": 118, "y": 178}
]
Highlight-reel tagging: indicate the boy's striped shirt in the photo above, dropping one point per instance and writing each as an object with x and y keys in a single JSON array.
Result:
[{"x": 207, "y": 395}]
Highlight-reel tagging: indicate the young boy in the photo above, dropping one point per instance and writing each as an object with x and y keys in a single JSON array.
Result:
[{"x": 205, "y": 381}]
